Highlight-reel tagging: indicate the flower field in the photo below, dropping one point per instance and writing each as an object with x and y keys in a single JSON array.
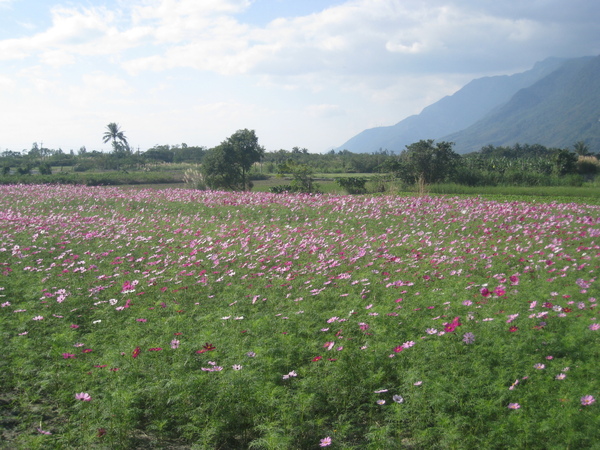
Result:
[{"x": 190, "y": 319}]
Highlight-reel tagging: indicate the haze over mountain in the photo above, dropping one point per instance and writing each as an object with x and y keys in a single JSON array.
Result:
[
  {"x": 556, "y": 111},
  {"x": 528, "y": 107}
]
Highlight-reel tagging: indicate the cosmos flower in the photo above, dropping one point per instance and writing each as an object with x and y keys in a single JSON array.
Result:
[
  {"x": 83, "y": 396},
  {"x": 587, "y": 400}
]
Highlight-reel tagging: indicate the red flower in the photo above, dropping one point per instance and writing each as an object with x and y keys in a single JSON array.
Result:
[
  {"x": 398, "y": 349},
  {"x": 317, "y": 358},
  {"x": 136, "y": 352},
  {"x": 207, "y": 348},
  {"x": 513, "y": 329}
]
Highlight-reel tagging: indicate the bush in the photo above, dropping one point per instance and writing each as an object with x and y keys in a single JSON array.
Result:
[
  {"x": 45, "y": 169},
  {"x": 353, "y": 185}
]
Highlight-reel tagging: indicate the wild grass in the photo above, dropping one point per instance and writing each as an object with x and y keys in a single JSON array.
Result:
[{"x": 200, "y": 319}]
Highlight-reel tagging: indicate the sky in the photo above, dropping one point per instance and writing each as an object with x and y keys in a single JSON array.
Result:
[{"x": 301, "y": 73}]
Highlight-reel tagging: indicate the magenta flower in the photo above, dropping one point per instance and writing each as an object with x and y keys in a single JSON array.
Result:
[
  {"x": 68, "y": 355},
  {"x": 587, "y": 400},
  {"x": 83, "y": 396},
  {"x": 450, "y": 327},
  {"x": 74, "y": 326}
]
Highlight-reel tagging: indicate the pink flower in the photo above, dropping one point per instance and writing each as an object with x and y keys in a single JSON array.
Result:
[
  {"x": 587, "y": 400},
  {"x": 68, "y": 355},
  {"x": 539, "y": 366},
  {"x": 74, "y": 326},
  {"x": 38, "y": 318},
  {"x": 594, "y": 326},
  {"x": 328, "y": 345},
  {"x": 325, "y": 442},
  {"x": 175, "y": 343},
  {"x": 513, "y": 406},
  {"x": 42, "y": 431},
  {"x": 141, "y": 320},
  {"x": 83, "y": 396}
]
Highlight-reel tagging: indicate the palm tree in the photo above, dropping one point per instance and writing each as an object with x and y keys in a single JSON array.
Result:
[
  {"x": 115, "y": 134},
  {"x": 581, "y": 148}
]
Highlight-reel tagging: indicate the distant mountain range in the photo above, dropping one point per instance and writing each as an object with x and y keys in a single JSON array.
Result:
[{"x": 556, "y": 104}]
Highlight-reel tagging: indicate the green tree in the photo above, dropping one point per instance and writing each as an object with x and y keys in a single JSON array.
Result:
[
  {"x": 228, "y": 165},
  {"x": 564, "y": 162},
  {"x": 117, "y": 136},
  {"x": 427, "y": 163},
  {"x": 221, "y": 170}
]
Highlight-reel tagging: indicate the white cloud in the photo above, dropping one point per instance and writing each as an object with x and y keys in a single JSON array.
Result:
[{"x": 298, "y": 79}]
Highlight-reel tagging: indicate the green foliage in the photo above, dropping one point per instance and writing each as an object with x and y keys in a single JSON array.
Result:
[
  {"x": 302, "y": 177},
  {"x": 115, "y": 135},
  {"x": 564, "y": 162},
  {"x": 353, "y": 185},
  {"x": 45, "y": 169},
  {"x": 284, "y": 277},
  {"x": 427, "y": 162},
  {"x": 228, "y": 165},
  {"x": 221, "y": 171},
  {"x": 24, "y": 169}
]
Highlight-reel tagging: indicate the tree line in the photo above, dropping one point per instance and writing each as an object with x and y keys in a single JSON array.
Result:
[{"x": 239, "y": 159}]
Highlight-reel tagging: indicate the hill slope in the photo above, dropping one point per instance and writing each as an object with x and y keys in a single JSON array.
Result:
[
  {"x": 556, "y": 111},
  {"x": 451, "y": 113}
]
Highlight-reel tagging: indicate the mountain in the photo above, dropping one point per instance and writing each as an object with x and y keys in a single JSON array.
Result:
[
  {"x": 556, "y": 111},
  {"x": 453, "y": 113}
]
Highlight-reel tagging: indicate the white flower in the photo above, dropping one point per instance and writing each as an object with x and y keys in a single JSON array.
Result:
[{"x": 398, "y": 399}]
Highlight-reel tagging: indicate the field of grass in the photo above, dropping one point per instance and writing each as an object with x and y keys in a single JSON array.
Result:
[{"x": 145, "y": 318}]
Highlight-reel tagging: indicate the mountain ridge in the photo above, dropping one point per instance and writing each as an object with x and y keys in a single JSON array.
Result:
[{"x": 447, "y": 118}]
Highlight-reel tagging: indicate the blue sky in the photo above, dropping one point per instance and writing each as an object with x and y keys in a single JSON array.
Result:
[{"x": 310, "y": 73}]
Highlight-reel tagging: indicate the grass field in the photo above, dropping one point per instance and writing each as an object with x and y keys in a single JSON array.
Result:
[{"x": 171, "y": 318}]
